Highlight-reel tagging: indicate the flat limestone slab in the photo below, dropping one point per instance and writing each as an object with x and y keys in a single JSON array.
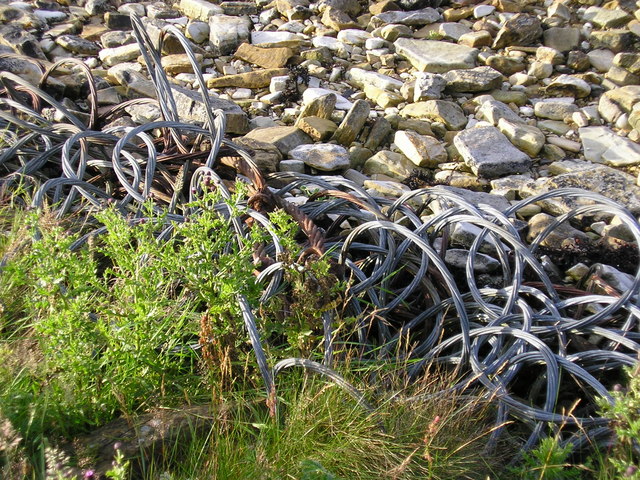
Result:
[
  {"x": 436, "y": 57},
  {"x": 489, "y": 153}
]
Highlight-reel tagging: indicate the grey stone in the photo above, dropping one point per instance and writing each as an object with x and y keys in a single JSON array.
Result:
[
  {"x": 276, "y": 39},
  {"x": 609, "y": 110},
  {"x": 478, "y": 199},
  {"x": 94, "y": 7},
  {"x": 226, "y": 33},
  {"x": 616, "y": 40},
  {"x": 626, "y": 97},
  {"x": 457, "y": 258},
  {"x": 422, "y": 150},
  {"x": 568, "y": 85},
  {"x": 22, "y": 67},
  {"x": 628, "y": 61},
  {"x": 414, "y": 18},
  {"x": 362, "y": 78},
  {"x": 622, "y": 77},
  {"x": 354, "y": 36},
  {"x": 391, "y": 164},
  {"x": 549, "y": 55},
  {"x": 602, "y": 145},
  {"x": 78, "y": 45},
  {"x": 477, "y": 79},
  {"x": 197, "y": 31},
  {"x": 144, "y": 113},
  {"x": 452, "y": 31},
  {"x": 538, "y": 223},
  {"x": 464, "y": 234},
  {"x": 527, "y": 138},
  {"x": 493, "y": 111},
  {"x": 601, "y": 60},
  {"x": 20, "y": 41},
  {"x": 113, "y": 56},
  {"x": 379, "y": 131},
  {"x": 489, "y": 152},
  {"x": 116, "y": 38},
  {"x": 554, "y": 126},
  {"x": 321, "y": 107},
  {"x": 358, "y": 156},
  {"x": 521, "y": 29},
  {"x": 265, "y": 155},
  {"x": 562, "y": 39},
  {"x": 443, "y": 111},
  {"x": 353, "y": 122},
  {"x": 126, "y": 73},
  {"x": 117, "y": 21},
  {"x": 554, "y": 109},
  {"x": 606, "y": 18},
  {"x": 434, "y": 56},
  {"x": 386, "y": 188},
  {"x": 199, "y": 9},
  {"x": 341, "y": 102},
  {"x": 506, "y": 65},
  {"x": 428, "y": 86},
  {"x": 50, "y": 16},
  {"x": 325, "y": 157},
  {"x": 284, "y": 138},
  {"x": 296, "y": 166},
  {"x": 610, "y": 182},
  {"x": 191, "y": 108}
]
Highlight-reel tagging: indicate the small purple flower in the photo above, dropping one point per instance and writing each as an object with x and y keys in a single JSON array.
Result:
[
  {"x": 630, "y": 471},
  {"x": 89, "y": 474},
  {"x": 617, "y": 387},
  {"x": 117, "y": 445}
]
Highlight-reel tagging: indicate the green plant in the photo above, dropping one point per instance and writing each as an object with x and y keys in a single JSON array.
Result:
[
  {"x": 549, "y": 460},
  {"x": 622, "y": 460}
]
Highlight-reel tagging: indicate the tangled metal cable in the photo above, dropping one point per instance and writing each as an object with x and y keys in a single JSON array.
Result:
[{"x": 542, "y": 351}]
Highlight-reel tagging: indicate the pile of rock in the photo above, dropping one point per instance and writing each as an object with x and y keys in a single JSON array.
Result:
[{"x": 514, "y": 98}]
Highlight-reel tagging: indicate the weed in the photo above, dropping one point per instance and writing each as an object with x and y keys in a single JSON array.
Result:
[{"x": 622, "y": 460}]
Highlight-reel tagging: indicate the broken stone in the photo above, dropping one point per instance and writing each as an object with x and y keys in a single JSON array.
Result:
[
  {"x": 436, "y": 57},
  {"x": 253, "y": 79},
  {"x": 264, "y": 57},
  {"x": 422, "y": 150},
  {"x": 353, "y": 122},
  {"x": 521, "y": 29},
  {"x": 443, "y": 111},
  {"x": 477, "y": 79},
  {"x": 325, "y": 157},
  {"x": 489, "y": 152},
  {"x": 284, "y": 138}
]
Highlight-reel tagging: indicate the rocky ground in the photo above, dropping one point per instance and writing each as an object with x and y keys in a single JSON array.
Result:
[{"x": 511, "y": 98}]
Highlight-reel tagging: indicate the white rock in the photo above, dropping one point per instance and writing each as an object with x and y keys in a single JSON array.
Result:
[
  {"x": 278, "y": 84},
  {"x": 322, "y": 156},
  {"x": 113, "y": 56},
  {"x": 483, "y": 10},
  {"x": 331, "y": 43},
  {"x": 434, "y": 56},
  {"x": 353, "y": 36},
  {"x": 362, "y": 77},
  {"x": 197, "y": 31},
  {"x": 276, "y": 39},
  {"x": 602, "y": 145},
  {"x": 227, "y": 32},
  {"x": 50, "y": 16},
  {"x": 242, "y": 94},
  {"x": 341, "y": 102},
  {"x": 199, "y": 9},
  {"x": 422, "y": 150},
  {"x": 375, "y": 43}
]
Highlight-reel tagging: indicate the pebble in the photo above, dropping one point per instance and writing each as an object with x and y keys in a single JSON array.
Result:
[{"x": 465, "y": 93}]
